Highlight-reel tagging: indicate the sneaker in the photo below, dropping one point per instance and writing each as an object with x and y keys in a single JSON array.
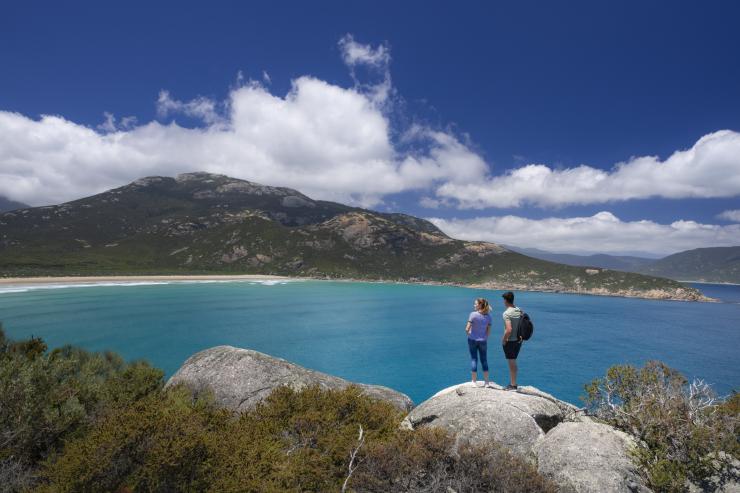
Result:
[{"x": 511, "y": 387}]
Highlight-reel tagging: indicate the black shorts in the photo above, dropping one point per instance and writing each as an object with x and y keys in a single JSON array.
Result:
[{"x": 511, "y": 349}]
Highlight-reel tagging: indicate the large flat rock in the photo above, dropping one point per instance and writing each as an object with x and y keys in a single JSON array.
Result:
[
  {"x": 517, "y": 420},
  {"x": 240, "y": 378},
  {"x": 589, "y": 457}
]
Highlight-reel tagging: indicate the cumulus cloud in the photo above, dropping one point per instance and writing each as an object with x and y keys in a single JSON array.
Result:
[
  {"x": 330, "y": 142},
  {"x": 600, "y": 233},
  {"x": 711, "y": 168},
  {"x": 730, "y": 215}
]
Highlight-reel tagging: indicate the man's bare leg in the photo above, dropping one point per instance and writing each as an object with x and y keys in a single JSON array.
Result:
[{"x": 512, "y": 370}]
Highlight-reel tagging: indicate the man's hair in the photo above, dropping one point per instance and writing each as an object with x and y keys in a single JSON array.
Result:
[{"x": 509, "y": 297}]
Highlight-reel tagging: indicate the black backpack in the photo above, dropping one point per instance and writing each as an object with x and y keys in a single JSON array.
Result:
[{"x": 526, "y": 327}]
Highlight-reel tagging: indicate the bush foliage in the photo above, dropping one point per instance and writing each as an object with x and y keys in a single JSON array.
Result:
[
  {"x": 75, "y": 421},
  {"x": 685, "y": 433},
  {"x": 47, "y": 398}
]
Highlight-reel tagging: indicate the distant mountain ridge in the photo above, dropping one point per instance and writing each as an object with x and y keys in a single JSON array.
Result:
[
  {"x": 714, "y": 264},
  {"x": 9, "y": 205},
  {"x": 626, "y": 263},
  {"x": 199, "y": 223}
]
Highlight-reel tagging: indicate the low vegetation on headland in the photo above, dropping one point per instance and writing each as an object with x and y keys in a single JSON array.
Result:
[
  {"x": 72, "y": 420},
  {"x": 201, "y": 223}
]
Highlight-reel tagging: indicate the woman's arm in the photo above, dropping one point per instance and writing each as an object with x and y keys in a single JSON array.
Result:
[
  {"x": 488, "y": 331},
  {"x": 468, "y": 328}
]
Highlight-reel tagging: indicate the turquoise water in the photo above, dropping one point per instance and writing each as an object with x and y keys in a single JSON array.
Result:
[{"x": 408, "y": 337}]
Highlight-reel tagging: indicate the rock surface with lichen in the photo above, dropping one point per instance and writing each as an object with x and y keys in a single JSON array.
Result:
[{"x": 240, "y": 378}]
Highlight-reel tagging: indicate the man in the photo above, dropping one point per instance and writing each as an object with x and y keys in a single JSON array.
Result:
[{"x": 511, "y": 340}]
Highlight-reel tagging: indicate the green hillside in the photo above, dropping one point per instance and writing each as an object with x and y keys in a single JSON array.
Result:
[
  {"x": 717, "y": 264},
  {"x": 203, "y": 223}
]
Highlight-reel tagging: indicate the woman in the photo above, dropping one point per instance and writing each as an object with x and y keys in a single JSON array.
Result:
[{"x": 478, "y": 329}]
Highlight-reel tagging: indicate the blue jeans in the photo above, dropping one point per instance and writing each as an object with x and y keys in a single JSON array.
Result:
[{"x": 476, "y": 348}]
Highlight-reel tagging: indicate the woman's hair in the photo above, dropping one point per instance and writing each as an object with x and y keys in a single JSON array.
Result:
[{"x": 482, "y": 305}]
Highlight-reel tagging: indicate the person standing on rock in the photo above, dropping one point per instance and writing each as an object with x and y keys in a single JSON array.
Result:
[
  {"x": 478, "y": 329},
  {"x": 511, "y": 340}
]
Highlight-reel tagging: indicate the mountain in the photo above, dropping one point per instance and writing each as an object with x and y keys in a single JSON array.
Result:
[
  {"x": 617, "y": 262},
  {"x": 9, "y": 205},
  {"x": 205, "y": 223},
  {"x": 716, "y": 264}
]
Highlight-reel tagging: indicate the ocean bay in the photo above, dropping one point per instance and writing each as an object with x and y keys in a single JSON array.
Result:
[{"x": 408, "y": 337}]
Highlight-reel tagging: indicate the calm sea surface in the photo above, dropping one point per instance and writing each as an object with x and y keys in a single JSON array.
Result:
[{"x": 407, "y": 337}]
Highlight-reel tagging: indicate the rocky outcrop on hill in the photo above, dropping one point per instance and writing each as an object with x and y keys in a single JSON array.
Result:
[
  {"x": 517, "y": 420},
  {"x": 576, "y": 452},
  {"x": 240, "y": 378},
  {"x": 579, "y": 454}
]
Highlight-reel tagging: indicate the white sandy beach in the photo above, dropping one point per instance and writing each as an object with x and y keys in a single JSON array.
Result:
[{"x": 19, "y": 281}]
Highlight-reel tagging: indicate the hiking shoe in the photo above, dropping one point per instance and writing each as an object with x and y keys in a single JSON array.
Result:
[{"x": 511, "y": 387}]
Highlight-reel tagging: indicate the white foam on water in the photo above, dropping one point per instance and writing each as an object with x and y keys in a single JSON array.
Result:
[
  {"x": 13, "y": 290},
  {"x": 25, "y": 288}
]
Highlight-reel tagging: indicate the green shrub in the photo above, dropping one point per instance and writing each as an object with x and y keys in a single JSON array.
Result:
[
  {"x": 161, "y": 442},
  {"x": 47, "y": 398},
  {"x": 684, "y": 432},
  {"x": 429, "y": 460},
  {"x": 294, "y": 441},
  {"x": 304, "y": 440}
]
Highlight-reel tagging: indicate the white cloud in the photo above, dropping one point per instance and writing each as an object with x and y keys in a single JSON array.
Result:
[
  {"x": 331, "y": 142},
  {"x": 111, "y": 124},
  {"x": 354, "y": 53},
  {"x": 730, "y": 215},
  {"x": 600, "y": 233},
  {"x": 202, "y": 108},
  {"x": 328, "y": 141},
  {"x": 711, "y": 168},
  {"x": 377, "y": 59}
]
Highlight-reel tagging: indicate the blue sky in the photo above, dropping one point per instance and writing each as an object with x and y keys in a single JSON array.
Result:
[{"x": 520, "y": 94}]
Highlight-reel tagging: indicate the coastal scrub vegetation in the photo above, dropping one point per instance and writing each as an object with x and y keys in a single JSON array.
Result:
[
  {"x": 684, "y": 432},
  {"x": 47, "y": 398},
  {"x": 72, "y": 420}
]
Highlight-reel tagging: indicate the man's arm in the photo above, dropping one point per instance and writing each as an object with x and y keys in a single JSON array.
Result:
[{"x": 507, "y": 331}]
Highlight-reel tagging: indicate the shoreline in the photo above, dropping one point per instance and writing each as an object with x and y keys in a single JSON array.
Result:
[
  {"x": 56, "y": 280},
  {"x": 22, "y": 281},
  {"x": 713, "y": 282}
]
